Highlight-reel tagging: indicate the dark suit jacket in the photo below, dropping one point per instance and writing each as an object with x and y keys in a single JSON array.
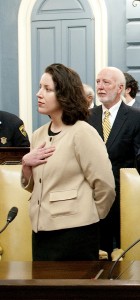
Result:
[{"x": 124, "y": 140}]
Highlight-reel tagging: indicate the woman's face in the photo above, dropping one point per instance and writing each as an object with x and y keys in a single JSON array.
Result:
[{"x": 47, "y": 101}]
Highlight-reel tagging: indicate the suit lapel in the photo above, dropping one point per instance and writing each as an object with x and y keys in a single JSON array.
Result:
[
  {"x": 118, "y": 123},
  {"x": 96, "y": 120}
]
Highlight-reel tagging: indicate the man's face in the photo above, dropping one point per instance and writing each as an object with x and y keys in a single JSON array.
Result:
[{"x": 108, "y": 88}]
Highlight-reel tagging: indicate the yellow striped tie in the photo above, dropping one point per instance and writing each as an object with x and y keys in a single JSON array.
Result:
[{"x": 106, "y": 125}]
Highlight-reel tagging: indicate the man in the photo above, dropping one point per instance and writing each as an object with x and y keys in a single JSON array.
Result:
[
  {"x": 89, "y": 95},
  {"x": 122, "y": 143},
  {"x": 12, "y": 131},
  {"x": 131, "y": 90}
]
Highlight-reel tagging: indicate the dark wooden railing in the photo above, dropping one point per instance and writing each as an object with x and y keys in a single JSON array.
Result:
[
  {"x": 69, "y": 281},
  {"x": 12, "y": 155}
]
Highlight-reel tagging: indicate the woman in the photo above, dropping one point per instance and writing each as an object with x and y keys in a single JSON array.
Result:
[{"x": 67, "y": 171}]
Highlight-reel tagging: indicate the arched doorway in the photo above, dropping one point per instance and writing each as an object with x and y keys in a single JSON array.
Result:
[{"x": 98, "y": 9}]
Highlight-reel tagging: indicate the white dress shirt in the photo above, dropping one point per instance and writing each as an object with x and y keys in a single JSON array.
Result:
[{"x": 113, "y": 111}]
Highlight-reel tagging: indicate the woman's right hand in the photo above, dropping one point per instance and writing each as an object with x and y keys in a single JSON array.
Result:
[{"x": 38, "y": 156}]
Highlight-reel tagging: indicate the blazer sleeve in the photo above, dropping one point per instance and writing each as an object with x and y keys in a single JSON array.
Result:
[
  {"x": 93, "y": 158},
  {"x": 29, "y": 186}
]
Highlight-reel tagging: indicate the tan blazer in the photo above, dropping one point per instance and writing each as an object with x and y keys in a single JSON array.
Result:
[{"x": 76, "y": 186}]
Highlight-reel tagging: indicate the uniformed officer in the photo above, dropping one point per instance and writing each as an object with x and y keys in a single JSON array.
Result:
[{"x": 12, "y": 131}]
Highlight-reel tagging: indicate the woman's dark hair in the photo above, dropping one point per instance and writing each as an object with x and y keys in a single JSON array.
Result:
[
  {"x": 131, "y": 83},
  {"x": 69, "y": 92}
]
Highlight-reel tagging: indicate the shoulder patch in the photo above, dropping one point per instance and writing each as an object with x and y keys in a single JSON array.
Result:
[
  {"x": 22, "y": 130},
  {"x": 3, "y": 140}
]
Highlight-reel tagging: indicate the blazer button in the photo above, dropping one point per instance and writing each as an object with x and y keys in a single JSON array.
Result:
[{"x": 40, "y": 180}]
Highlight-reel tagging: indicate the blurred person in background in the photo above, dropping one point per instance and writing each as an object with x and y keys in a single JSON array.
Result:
[
  {"x": 131, "y": 90},
  {"x": 90, "y": 95}
]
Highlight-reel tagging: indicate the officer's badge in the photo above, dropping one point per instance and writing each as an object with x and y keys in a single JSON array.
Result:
[
  {"x": 22, "y": 130},
  {"x": 3, "y": 140}
]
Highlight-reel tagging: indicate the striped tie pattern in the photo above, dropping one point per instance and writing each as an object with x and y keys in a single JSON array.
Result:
[{"x": 106, "y": 125}]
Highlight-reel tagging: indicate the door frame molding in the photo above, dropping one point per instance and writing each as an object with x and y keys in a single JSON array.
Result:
[{"x": 24, "y": 52}]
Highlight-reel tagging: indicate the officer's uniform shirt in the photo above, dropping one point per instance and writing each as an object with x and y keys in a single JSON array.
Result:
[{"x": 12, "y": 131}]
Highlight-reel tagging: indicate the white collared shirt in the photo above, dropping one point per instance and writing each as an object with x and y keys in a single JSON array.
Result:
[
  {"x": 113, "y": 111},
  {"x": 131, "y": 102}
]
